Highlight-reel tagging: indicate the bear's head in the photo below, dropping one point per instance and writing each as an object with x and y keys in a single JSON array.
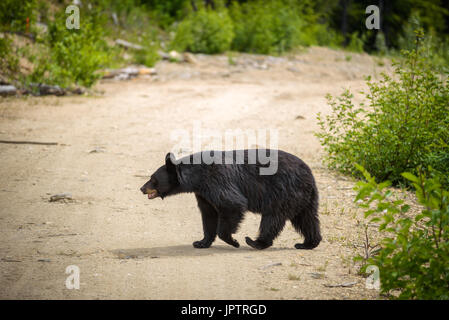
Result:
[{"x": 164, "y": 181}]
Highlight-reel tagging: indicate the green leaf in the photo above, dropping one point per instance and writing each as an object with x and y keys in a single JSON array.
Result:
[{"x": 410, "y": 177}]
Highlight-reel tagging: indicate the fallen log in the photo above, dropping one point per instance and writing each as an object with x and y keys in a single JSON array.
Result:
[
  {"x": 45, "y": 89},
  {"x": 127, "y": 73},
  {"x": 128, "y": 45},
  {"x": 28, "y": 35},
  {"x": 7, "y": 90}
]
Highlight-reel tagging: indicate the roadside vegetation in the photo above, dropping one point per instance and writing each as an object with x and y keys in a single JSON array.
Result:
[
  {"x": 399, "y": 137},
  {"x": 402, "y": 124},
  {"x": 37, "y": 48}
]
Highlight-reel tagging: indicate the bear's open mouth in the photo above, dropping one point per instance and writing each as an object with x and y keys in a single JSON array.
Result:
[{"x": 152, "y": 193}]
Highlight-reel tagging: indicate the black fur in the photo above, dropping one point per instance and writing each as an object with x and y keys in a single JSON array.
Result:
[{"x": 224, "y": 192}]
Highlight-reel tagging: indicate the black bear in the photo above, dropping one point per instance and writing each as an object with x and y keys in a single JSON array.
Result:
[{"x": 234, "y": 183}]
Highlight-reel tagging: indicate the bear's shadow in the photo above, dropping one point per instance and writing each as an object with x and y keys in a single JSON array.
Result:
[{"x": 183, "y": 251}]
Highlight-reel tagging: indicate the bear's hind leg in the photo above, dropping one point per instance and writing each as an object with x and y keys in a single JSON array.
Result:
[
  {"x": 228, "y": 223},
  {"x": 210, "y": 220},
  {"x": 269, "y": 229},
  {"x": 309, "y": 227}
]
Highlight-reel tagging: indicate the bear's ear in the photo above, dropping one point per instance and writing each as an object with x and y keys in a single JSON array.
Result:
[{"x": 170, "y": 161}]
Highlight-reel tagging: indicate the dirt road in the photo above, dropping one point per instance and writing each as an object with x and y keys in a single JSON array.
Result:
[{"x": 129, "y": 247}]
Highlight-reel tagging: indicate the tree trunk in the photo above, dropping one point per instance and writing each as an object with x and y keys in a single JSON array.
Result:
[
  {"x": 383, "y": 12},
  {"x": 193, "y": 4},
  {"x": 209, "y": 4},
  {"x": 344, "y": 21}
]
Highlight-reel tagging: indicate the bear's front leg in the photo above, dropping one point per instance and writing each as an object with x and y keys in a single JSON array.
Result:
[{"x": 209, "y": 217}]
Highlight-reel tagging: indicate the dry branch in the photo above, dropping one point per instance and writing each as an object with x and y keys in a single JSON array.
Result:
[{"x": 29, "y": 142}]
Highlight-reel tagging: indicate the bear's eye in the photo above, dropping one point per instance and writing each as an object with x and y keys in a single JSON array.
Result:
[{"x": 155, "y": 182}]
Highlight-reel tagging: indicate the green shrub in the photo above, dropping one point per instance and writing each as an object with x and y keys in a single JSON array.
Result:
[
  {"x": 205, "y": 31},
  {"x": 148, "y": 56},
  {"x": 413, "y": 260},
  {"x": 167, "y": 12},
  {"x": 320, "y": 34},
  {"x": 14, "y": 14},
  {"x": 267, "y": 27},
  {"x": 43, "y": 11},
  {"x": 9, "y": 63},
  {"x": 380, "y": 43},
  {"x": 135, "y": 24},
  {"x": 276, "y": 26},
  {"x": 73, "y": 55},
  {"x": 355, "y": 43},
  {"x": 405, "y": 123},
  {"x": 436, "y": 48}
]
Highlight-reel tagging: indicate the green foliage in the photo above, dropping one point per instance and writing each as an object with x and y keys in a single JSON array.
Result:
[
  {"x": 9, "y": 63},
  {"x": 438, "y": 52},
  {"x": 355, "y": 43},
  {"x": 119, "y": 7},
  {"x": 148, "y": 56},
  {"x": 258, "y": 26},
  {"x": 231, "y": 58},
  {"x": 14, "y": 14},
  {"x": 43, "y": 11},
  {"x": 380, "y": 44},
  {"x": 405, "y": 123},
  {"x": 167, "y": 12},
  {"x": 73, "y": 55},
  {"x": 276, "y": 26},
  {"x": 320, "y": 34},
  {"x": 205, "y": 31},
  {"x": 135, "y": 24},
  {"x": 407, "y": 39},
  {"x": 436, "y": 48},
  {"x": 414, "y": 257},
  {"x": 130, "y": 16},
  {"x": 268, "y": 27}
]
